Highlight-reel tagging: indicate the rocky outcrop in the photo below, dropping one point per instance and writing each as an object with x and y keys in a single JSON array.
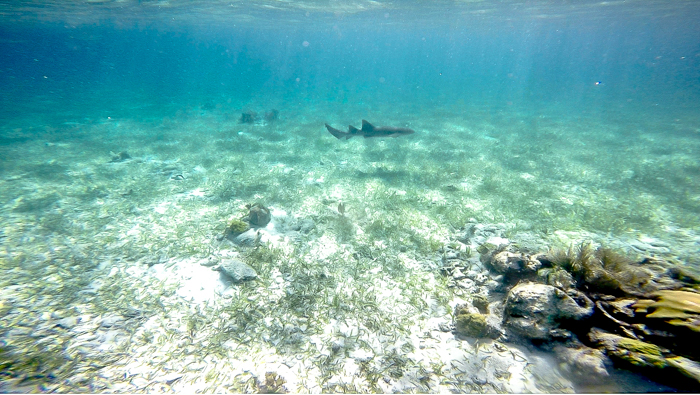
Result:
[
  {"x": 591, "y": 305},
  {"x": 536, "y": 311}
]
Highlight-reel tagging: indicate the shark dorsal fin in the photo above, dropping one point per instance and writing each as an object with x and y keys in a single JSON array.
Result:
[
  {"x": 366, "y": 126},
  {"x": 352, "y": 129}
]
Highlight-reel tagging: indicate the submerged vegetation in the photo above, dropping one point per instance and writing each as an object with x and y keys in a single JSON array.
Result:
[{"x": 102, "y": 244}]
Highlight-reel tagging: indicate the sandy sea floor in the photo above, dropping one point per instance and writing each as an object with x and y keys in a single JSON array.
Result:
[{"x": 106, "y": 288}]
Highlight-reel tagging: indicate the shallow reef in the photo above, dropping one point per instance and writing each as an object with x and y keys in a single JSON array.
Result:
[{"x": 642, "y": 315}]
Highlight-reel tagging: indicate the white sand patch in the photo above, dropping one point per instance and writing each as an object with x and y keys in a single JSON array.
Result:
[
  {"x": 324, "y": 247},
  {"x": 196, "y": 284}
]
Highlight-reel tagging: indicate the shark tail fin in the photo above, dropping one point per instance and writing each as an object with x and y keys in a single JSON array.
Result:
[{"x": 337, "y": 133}]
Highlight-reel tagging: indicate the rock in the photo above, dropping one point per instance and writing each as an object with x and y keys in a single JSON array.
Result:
[
  {"x": 472, "y": 324},
  {"x": 584, "y": 364},
  {"x": 119, "y": 156},
  {"x": 247, "y": 238},
  {"x": 68, "y": 322},
  {"x": 560, "y": 278},
  {"x": 510, "y": 262},
  {"x": 644, "y": 355},
  {"x": 258, "y": 215},
  {"x": 630, "y": 351},
  {"x": 481, "y": 303},
  {"x": 536, "y": 310},
  {"x": 457, "y": 274},
  {"x": 477, "y": 234},
  {"x": 686, "y": 366},
  {"x": 684, "y": 274},
  {"x": 235, "y": 228},
  {"x": 208, "y": 262},
  {"x": 236, "y": 270}
]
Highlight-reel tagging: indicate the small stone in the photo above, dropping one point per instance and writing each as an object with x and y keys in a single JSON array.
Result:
[
  {"x": 68, "y": 322},
  {"x": 336, "y": 347},
  {"x": 493, "y": 285},
  {"x": 111, "y": 320},
  {"x": 362, "y": 355},
  {"x": 481, "y": 303},
  {"x": 120, "y": 156},
  {"x": 247, "y": 238},
  {"x": 208, "y": 262},
  {"x": 236, "y": 270},
  {"x": 451, "y": 255},
  {"x": 510, "y": 262},
  {"x": 458, "y": 275}
]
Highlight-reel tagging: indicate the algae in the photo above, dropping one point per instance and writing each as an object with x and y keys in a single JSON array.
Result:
[
  {"x": 471, "y": 324},
  {"x": 237, "y": 227},
  {"x": 640, "y": 347},
  {"x": 603, "y": 270}
]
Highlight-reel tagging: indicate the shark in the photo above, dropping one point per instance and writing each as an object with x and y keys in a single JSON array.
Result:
[{"x": 369, "y": 130}]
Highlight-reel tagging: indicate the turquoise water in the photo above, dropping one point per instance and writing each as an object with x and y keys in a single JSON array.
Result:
[{"x": 561, "y": 122}]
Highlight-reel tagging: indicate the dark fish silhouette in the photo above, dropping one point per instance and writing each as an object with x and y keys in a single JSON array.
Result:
[
  {"x": 272, "y": 115},
  {"x": 248, "y": 117},
  {"x": 369, "y": 130}
]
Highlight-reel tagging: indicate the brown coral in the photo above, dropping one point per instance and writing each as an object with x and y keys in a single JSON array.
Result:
[{"x": 679, "y": 308}]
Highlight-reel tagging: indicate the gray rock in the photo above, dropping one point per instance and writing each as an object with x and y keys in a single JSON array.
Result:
[
  {"x": 451, "y": 255},
  {"x": 559, "y": 278},
  {"x": 457, "y": 274},
  {"x": 510, "y": 262},
  {"x": 478, "y": 277},
  {"x": 630, "y": 351},
  {"x": 493, "y": 285},
  {"x": 236, "y": 270},
  {"x": 535, "y": 310},
  {"x": 68, "y": 322},
  {"x": 208, "y": 262},
  {"x": 246, "y": 238},
  {"x": 584, "y": 364},
  {"x": 477, "y": 234}
]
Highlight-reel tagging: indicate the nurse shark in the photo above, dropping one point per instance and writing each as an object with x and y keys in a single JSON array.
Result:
[{"x": 368, "y": 130}]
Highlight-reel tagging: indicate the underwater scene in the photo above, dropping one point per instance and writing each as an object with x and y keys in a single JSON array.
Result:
[{"x": 353, "y": 196}]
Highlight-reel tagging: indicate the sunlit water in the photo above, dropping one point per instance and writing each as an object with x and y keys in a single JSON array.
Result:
[{"x": 569, "y": 122}]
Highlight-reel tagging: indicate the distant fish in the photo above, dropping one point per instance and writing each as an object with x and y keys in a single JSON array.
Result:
[
  {"x": 272, "y": 115},
  {"x": 248, "y": 117},
  {"x": 369, "y": 130}
]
